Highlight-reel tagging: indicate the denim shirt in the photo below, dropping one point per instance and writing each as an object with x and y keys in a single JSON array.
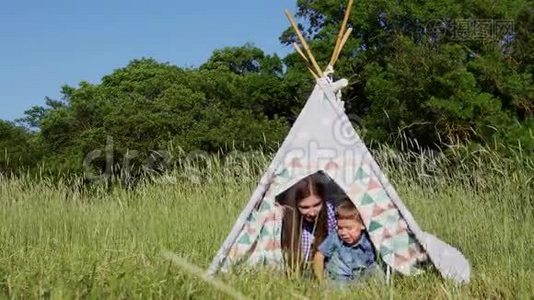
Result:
[{"x": 346, "y": 262}]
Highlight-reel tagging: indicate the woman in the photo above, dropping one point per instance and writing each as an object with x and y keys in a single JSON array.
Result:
[{"x": 308, "y": 217}]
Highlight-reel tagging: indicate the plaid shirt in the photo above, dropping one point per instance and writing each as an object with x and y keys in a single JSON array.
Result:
[{"x": 307, "y": 230}]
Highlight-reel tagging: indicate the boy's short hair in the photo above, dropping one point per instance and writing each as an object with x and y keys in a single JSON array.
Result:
[{"x": 346, "y": 210}]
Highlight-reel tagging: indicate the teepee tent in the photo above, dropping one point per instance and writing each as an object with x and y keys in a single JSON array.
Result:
[{"x": 322, "y": 139}]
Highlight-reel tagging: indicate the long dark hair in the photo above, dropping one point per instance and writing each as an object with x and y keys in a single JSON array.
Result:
[{"x": 292, "y": 221}]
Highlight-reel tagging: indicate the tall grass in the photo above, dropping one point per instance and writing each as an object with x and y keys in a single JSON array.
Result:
[{"x": 59, "y": 240}]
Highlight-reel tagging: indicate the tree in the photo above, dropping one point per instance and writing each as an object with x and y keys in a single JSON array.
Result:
[
  {"x": 18, "y": 149},
  {"x": 147, "y": 107},
  {"x": 244, "y": 60},
  {"x": 415, "y": 72}
]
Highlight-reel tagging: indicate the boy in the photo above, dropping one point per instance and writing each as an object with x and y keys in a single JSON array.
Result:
[{"x": 349, "y": 254}]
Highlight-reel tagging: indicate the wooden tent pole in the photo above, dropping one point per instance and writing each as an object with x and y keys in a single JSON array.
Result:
[
  {"x": 299, "y": 51},
  {"x": 304, "y": 43},
  {"x": 343, "y": 41},
  {"x": 341, "y": 33}
]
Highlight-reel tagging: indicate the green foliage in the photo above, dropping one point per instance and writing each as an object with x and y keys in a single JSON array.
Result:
[
  {"x": 18, "y": 148},
  {"x": 244, "y": 60},
  {"x": 413, "y": 74},
  {"x": 149, "y": 106}
]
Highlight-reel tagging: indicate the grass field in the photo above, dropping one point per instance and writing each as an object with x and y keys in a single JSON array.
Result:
[{"x": 57, "y": 242}]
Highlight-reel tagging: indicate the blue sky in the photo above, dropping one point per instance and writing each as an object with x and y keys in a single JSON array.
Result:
[{"x": 46, "y": 44}]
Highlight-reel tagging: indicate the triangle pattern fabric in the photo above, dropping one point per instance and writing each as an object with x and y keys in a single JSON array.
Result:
[
  {"x": 373, "y": 226},
  {"x": 366, "y": 200},
  {"x": 360, "y": 174},
  {"x": 323, "y": 139}
]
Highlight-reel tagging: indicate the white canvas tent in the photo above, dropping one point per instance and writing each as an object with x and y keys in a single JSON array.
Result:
[{"x": 323, "y": 139}]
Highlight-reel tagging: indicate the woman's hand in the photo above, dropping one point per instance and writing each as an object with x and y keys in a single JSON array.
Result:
[{"x": 318, "y": 266}]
